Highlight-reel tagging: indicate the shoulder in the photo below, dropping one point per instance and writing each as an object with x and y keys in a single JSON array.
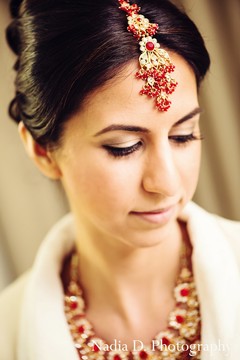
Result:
[
  {"x": 19, "y": 301},
  {"x": 203, "y": 224},
  {"x": 10, "y": 308},
  {"x": 229, "y": 227},
  {"x": 231, "y": 231}
]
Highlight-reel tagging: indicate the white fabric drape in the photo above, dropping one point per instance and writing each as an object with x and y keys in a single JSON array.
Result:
[
  {"x": 29, "y": 203},
  {"x": 42, "y": 289}
]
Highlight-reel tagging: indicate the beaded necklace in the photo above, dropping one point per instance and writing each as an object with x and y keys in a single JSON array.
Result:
[{"x": 181, "y": 339}]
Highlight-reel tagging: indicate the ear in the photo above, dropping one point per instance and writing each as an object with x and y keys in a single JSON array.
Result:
[{"x": 43, "y": 158}]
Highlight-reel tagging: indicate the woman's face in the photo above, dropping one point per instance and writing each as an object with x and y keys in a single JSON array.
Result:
[{"x": 127, "y": 168}]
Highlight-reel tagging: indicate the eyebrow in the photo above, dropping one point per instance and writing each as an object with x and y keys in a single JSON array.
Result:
[
  {"x": 124, "y": 128},
  {"x": 137, "y": 129},
  {"x": 189, "y": 116}
]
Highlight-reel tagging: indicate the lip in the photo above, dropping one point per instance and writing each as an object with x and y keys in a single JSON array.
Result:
[{"x": 158, "y": 216}]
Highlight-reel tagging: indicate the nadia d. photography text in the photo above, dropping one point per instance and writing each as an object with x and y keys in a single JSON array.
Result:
[{"x": 138, "y": 345}]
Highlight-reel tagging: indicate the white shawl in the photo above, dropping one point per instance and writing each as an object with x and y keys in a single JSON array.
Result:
[{"x": 44, "y": 334}]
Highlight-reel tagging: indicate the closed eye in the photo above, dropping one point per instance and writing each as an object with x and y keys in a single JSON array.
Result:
[
  {"x": 118, "y": 152},
  {"x": 184, "y": 139},
  {"x": 122, "y": 151}
]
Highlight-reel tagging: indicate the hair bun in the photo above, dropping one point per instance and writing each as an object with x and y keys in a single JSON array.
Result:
[
  {"x": 13, "y": 38},
  {"x": 14, "y": 7},
  {"x": 12, "y": 31},
  {"x": 14, "y": 110}
]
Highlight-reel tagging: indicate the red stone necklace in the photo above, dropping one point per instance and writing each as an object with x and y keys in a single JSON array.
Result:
[{"x": 181, "y": 339}]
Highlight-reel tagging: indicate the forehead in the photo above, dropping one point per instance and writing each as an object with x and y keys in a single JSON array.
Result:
[{"x": 119, "y": 100}]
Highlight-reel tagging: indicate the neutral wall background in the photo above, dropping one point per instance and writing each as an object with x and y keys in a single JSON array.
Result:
[{"x": 30, "y": 204}]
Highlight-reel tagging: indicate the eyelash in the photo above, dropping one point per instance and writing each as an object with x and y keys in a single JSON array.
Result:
[
  {"x": 179, "y": 140},
  {"x": 184, "y": 139},
  {"x": 125, "y": 151}
]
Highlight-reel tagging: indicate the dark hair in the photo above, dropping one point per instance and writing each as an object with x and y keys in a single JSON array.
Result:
[{"x": 68, "y": 48}]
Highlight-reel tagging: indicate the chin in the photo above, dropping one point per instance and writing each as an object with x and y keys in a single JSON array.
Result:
[{"x": 151, "y": 238}]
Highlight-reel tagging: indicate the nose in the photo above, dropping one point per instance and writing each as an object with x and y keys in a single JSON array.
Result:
[{"x": 161, "y": 173}]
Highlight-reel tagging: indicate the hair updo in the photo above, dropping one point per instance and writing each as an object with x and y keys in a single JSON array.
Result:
[{"x": 68, "y": 48}]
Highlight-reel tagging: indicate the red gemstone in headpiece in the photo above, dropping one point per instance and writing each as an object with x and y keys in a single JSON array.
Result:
[
  {"x": 150, "y": 46},
  {"x": 155, "y": 63}
]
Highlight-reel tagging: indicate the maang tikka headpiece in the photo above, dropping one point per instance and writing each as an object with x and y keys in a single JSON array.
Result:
[{"x": 155, "y": 63}]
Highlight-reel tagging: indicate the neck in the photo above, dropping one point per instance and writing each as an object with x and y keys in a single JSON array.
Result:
[
  {"x": 133, "y": 278},
  {"x": 130, "y": 303}
]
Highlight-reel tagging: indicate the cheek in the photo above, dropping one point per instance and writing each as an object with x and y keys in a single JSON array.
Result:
[
  {"x": 190, "y": 166},
  {"x": 101, "y": 185}
]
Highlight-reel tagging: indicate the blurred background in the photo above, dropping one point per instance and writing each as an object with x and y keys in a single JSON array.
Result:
[{"x": 30, "y": 204}]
